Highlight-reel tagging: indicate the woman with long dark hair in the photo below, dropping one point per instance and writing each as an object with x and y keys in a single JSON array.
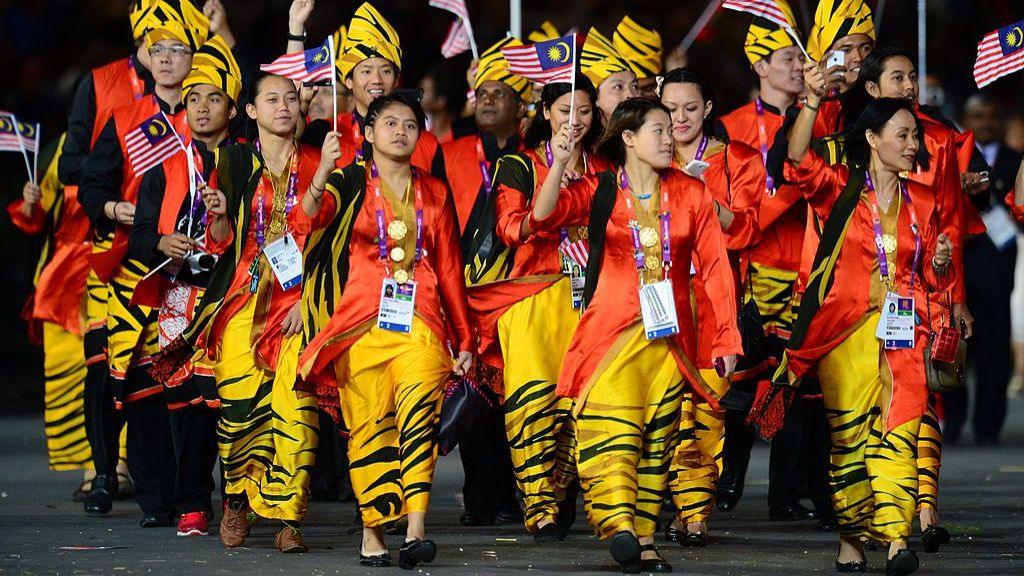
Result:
[
  {"x": 537, "y": 309},
  {"x": 882, "y": 251},
  {"x": 735, "y": 176},
  {"x": 385, "y": 244},
  {"x": 633, "y": 354}
]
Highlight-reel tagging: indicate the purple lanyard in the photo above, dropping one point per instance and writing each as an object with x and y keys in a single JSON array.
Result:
[
  {"x": 485, "y": 166},
  {"x": 197, "y": 199},
  {"x": 382, "y": 235},
  {"x": 634, "y": 228},
  {"x": 701, "y": 148},
  {"x": 883, "y": 260},
  {"x": 289, "y": 203},
  {"x": 762, "y": 138}
]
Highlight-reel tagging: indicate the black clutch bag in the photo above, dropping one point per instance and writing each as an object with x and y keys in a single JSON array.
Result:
[
  {"x": 467, "y": 401},
  {"x": 751, "y": 327}
]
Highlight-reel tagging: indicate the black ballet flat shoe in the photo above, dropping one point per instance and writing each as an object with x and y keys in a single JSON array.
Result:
[
  {"x": 415, "y": 551},
  {"x": 903, "y": 563},
  {"x": 659, "y": 564},
  {"x": 694, "y": 540},
  {"x": 625, "y": 549},
  {"x": 548, "y": 534},
  {"x": 375, "y": 560},
  {"x": 851, "y": 567},
  {"x": 675, "y": 535},
  {"x": 869, "y": 545},
  {"x": 934, "y": 537}
]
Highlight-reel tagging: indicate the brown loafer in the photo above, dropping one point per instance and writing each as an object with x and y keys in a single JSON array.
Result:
[
  {"x": 289, "y": 540},
  {"x": 234, "y": 525}
]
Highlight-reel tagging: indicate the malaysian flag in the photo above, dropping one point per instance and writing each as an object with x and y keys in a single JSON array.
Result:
[
  {"x": 15, "y": 135},
  {"x": 767, "y": 9},
  {"x": 457, "y": 40},
  {"x": 544, "y": 62},
  {"x": 1000, "y": 52},
  {"x": 577, "y": 251},
  {"x": 150, "y": 143},
  {"x": 313, "y": 65}
]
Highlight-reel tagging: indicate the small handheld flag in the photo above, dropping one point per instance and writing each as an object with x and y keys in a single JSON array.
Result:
[
  {"x": 456, "y": 41},
  {"x": 769, "y": 10},
  {"x": 544, "y": 62},
  {"x": 150, "y": 143},
  {"x": 460, "y": 33},
  {"x": 16, "y": 136},
  {"x": 313, "y": 65},
  {"x": 1000, "y": 52}
]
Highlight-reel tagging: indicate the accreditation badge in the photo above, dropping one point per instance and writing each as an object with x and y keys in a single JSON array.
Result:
[
  {"x": 896, "y": 326},
  {"x": 397, "y": 304},
  {"x": 285, "y": 260},
  {"x": 658, "y": 309}
]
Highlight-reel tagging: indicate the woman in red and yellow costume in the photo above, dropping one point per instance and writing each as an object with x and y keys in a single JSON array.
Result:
[
  {"x": 634, "y": 352},
  {"x": 735, "y": 177},
  {"x": 388, "y": 238}
]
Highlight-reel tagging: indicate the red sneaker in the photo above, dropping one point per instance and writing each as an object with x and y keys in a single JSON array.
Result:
[{"x": 193, "y": 524}]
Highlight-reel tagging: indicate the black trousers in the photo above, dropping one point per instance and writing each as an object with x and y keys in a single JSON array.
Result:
[
  {"x": 328, "y": 480},
  {"x": 103, "y": 422},
  {"x": 194, "y": 435},
  {"x": 489, "y": 486},
  {"x": 799, "y": 456},
  {"x": 988, "y": 274}
]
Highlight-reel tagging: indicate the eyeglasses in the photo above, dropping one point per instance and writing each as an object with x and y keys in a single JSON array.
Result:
[{"x": 177, "y": 51}]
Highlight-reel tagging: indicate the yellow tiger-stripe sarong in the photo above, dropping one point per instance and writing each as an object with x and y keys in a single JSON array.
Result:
[
  {"x": 534, "y": 335},
  {"x": 267, "y": 433},
  {"x": 626, "y": 431},
  {"x": 390, "y": 393},
  {"x": 929, "y": 458},
  {"x": 132, "y": 334},
  {"x": 872, "y": 473},
  {"x": 64, "y": 390},
  {"x": 697, "y": 461}
]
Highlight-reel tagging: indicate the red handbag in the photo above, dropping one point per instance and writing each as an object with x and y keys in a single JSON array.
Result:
[
  {"x": 945, "y": 357},
  {"x": 946, "y": 339}
]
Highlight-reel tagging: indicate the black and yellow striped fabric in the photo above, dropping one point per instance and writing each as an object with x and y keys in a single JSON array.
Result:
[
  {"x": 64, "y": 390},
  {"x": 369, "y": 35},
  {"x": 546, "y": 31},
  {"x": 214, "y": 64},
  {"x": 765, "y": 36},
  {"x": 640, "y": 46},
  {"x": 929, "y": 458},
  {"x": 697, "y": 461},
  {"x": 145, "y": 14},
  {"x": 180, "y": 21},
  {"x": 835, "y": 19},
  {"x": 626, "y": 432},
  {"x": 599, "y": 59}
]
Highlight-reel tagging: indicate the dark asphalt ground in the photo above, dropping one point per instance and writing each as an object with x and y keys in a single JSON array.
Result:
[{"x": 982, "y": 499}]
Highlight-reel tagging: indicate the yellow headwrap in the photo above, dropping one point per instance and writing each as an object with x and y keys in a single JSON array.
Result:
[
  {"x": 214, "y": 64},
  {"x": 765, "y": 36},
  {"x": 598, "y": 59},
  {"x": 369, "y": 35},
  {"x": 144, "y": 15},
  {"x": 493, "y": 66},
  {"x": 835, "y": 19},
  {"x": 640, "y": 46},
  {"x": 547, "y": 31}
]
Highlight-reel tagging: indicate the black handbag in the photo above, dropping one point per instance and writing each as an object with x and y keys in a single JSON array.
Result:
[{"x": 467, "y": 401}]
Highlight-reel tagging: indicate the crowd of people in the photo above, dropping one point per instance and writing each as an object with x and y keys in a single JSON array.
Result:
[{"x": 644, "y": 282}]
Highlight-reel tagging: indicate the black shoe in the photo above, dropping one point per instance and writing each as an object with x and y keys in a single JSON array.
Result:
[
  {"x": 567, "y": 509},
  {"x": 730, "y": 489},
  {"x": 375, "y": 561},
  {"x": 829, "y": 524},
  {"x": 397, "y": 527},
  {"x": 156, "y": 521},
  {"x": 100, "y": 499},
  {"x": 934, "y": 537},
  {"x": 653, "y": 564},
  {"x": 903, "y": 563},
  {"x": 510, "y": 516},
  {"x": 674, "y": 534},
  {"x": 694, "y": 540},
  {"x": 852, "y": 567},
  {"x": 125, "y": 489},
  {"x": 549, "y": 533},
  {"x": 625, "y": 550},
  {"x": 791, "y": 513},
  {"x": 869, "y": 545},
  {"x": 468, "y": 519},
  {"x": 415, "y": 551},
  {"x": 82, "y": 491}
]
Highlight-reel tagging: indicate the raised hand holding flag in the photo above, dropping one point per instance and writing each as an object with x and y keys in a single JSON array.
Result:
[
  {"x": 544, "y": 62},
  {"x": 1000, "y": 52}
]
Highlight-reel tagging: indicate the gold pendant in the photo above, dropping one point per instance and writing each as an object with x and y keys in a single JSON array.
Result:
[
  {"x": 648, "y": 236},
  {"x": 651, "y": 262},
  {"x": 889, "y": 243},
  {"x": 397, "y": 254},
  {"x": 397, "y": 230},
  {"x": 401, "y": 276}
]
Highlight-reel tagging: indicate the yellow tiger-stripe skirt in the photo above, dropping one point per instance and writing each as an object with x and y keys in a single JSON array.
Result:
[
  {"x": 697, "y": 462},
  {"x": 872, "y": 473},
  {"x": 132, "y": 333},
  {"x": 626, "y": 431},
  {"x": 267, "y": 433},
  {"x": 64, "y": 389},
  {"x": 534, "y": 335},
  {"x": 929, "y": 458},
  {"x": 390, "y": 392}
]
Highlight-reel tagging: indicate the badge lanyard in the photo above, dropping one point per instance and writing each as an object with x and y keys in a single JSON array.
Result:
[
  {"x": 701, "y": 148},
  {"x": 381, "y": 217},
  {"x": 138, "y": 86},
  {"x": 665, "y": 217},
  {"x": 883, "y": 260},
  {"x": 485, "y": 166},
  {"x": 357, "y": 138},
  {"x": 762, "y": 137},
  {"x": 195, "y": 161},
  {"x": 261, "y": 213}
]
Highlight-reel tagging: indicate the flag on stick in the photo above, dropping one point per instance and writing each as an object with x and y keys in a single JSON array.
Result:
[
  {"x": 1000, "y": 52},
  {"x": 313, "y": 65},
  {"x": 456, "y": 41},
  {"x": 18, "y": 136},
  {"x": 544, "y": 62},
  {"x": 460, "y": 33},
  {"x": 150, "y": 143},
  {"x": 766, "y": 9}
]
